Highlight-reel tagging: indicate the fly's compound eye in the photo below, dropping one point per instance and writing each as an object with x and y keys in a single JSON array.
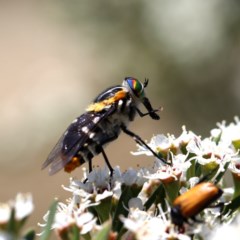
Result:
[{"x": 135, "y": 86}]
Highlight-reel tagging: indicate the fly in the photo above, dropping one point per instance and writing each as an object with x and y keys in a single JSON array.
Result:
[{"x": 103, "y": 121}]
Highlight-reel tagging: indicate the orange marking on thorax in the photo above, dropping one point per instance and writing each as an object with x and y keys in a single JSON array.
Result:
[{"x": 99, "y": 106}]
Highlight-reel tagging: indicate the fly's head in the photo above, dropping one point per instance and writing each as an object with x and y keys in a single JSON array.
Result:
[{"x": 136, "y": 90}]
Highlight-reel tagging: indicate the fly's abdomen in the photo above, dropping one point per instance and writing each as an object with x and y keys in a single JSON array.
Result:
[{"x": 97, "y": 139}]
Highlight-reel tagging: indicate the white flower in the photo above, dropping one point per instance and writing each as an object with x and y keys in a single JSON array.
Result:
[
  {"x": 131, "y": 177},
  {"x": 209, "y": 152},
  {"x": 158, "y": 143},
  {"x": 86, "y": 222},
  {"x": 67, "y": 216},
  {"x": 165, "y": 144},
  {"x": 224, "y": 231},
  {"x": 135, "y": 203},
  {"x": 23, "y": 205},
  {"x": 63, "y": 217},
  {"x": 193, "y": 181},
  {"x": 180, "y": 164},
  {"x": 185, "y": 137},
  {"x": 80, "y": 193},
  {"x": 145, "y": 225},
  {"x": 229, "y": 133},
  {"x": 101, "y": 196},
  {"x": 166, "y": 173},
  {"x": 5, "y": 213},
  {"x": 99, "y": 178}
]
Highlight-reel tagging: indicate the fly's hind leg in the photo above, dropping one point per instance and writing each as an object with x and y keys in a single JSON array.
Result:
[
  {"x": 107, "y": 162},
  {"x": 89, "y": 169},
  {"x": 142, "y": 143}
]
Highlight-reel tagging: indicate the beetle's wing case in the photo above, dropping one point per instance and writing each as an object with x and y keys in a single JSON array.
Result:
[
  {"x": 197, "y": 198},
  {"x": 78, "y": 132}
]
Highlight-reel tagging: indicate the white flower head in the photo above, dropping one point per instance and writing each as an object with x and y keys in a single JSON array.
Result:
[
  {"x": 99, "y": 197},
  {"x": 229, "y": 133},
  {"x": 5, "y": 213},
  {"x": 23, "y": 205},
  {"x": 131, "y": 177},
  {"x": 100, "y": 178},
  {"x": 166, "y": 174},
  {"x": 209, "y": 152},
  {"x": 68, "y": 216},
  {"x": 85, "y": 221},
  {"x": 186, "y": 137},
  {"x": 180, "y": 164},
  {"x": 135, "y": 203},
  {"x": 158, "y": 143},
  {"x": 222, "y": 231},
  {"x": 143, "y": 225}
]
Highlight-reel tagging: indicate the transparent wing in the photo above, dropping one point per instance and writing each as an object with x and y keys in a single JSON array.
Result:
[{"x": 55, "y": 158}]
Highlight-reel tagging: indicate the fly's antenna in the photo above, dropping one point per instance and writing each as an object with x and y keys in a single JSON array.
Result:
[{"x": 145, "y": 82}]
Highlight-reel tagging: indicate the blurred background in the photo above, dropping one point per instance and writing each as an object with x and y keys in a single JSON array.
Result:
[{"x": 56, "y": 56}]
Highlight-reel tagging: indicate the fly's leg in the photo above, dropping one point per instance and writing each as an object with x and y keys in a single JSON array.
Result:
[
  {"x": 153, "y": 112},
  {"x": 107, "y": 162},
  {"x": 89, "y": 169},
  {"x": 89, "y": 165},
  {"x": 142, "y": 143}
]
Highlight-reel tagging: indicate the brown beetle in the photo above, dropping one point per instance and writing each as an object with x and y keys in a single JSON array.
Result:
[{"x": 192, "y": 202}]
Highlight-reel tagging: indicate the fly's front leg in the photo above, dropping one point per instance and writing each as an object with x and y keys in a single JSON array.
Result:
[
  {"x": 152, "y": 113},
  {"x": 142, "y": 143}
]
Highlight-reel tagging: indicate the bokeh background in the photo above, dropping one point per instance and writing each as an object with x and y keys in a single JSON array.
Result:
[{"x": 56, "y": 56}]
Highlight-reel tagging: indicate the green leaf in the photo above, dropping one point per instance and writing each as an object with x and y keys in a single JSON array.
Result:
[
  {"x": 191, "y": 170},
  {"x": 76, "y": 233},
  {"x": 221, "y": 174},
  {"x": 232, "y": 206},
  {"x": 12, "y": 224},
  {"x": 158, "y": 193},
  {"x": 103, "y": 234},
  {"x": 194, "y": 170},
  {"x": 30, "y": 235},
  {"x": 103, "y": 209},
  {"x": 236, "y": 144},
  {"x": 47, "y": 229},
  {"x": 172, "y": 190},
  {"x": 217, "y": 138},
  {"x": 86, "y": 236},
  {"x": 128, "y": 193}
]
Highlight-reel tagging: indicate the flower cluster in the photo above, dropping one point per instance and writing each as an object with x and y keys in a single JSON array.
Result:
[
  {"x": 13, "y": 216},
  {"x": 137, "y": 204}
]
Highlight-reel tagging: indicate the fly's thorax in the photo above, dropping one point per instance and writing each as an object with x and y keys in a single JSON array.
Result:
[{"x": 126, "y": 111}]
